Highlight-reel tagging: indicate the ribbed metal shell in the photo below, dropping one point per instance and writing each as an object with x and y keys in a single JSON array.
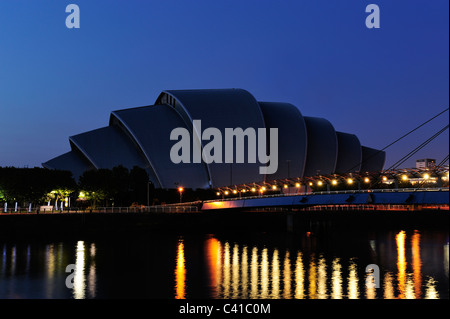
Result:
[
  {"x": 140, "y": 136},
  {"x": 224, "y": 108},
  {"x": 71, "y": 161},
  {"x": 349, "y": 153},
  {"x": 150, "y": 127},
  {"x": 292, "y": 139},
  {"x": 108, "y": 147},
  {"x": 372, "y": 159},
  {"x": 321, "y": 155}
]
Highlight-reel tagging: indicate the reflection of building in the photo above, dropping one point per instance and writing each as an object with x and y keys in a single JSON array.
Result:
[
  {"x": 425, "y": 163},
  {"x": 141, "y": 137}
]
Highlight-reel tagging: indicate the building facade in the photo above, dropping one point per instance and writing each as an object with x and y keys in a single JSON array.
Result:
[
  {"x": 425, "y": 163},
  {"x": 140, "y": 136}
]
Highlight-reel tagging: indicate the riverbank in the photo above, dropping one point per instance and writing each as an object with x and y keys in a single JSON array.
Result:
[{"x": 97, "y": 224}]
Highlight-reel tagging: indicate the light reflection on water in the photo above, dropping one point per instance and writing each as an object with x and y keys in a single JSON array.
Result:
[
  {"x": 274, "y": 274},
  {"x": 180, "y": 273},
  {"x": 411, "y": 268}
]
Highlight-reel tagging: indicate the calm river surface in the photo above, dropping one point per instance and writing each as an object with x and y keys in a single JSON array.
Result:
[{"x": 412, "y": 264}]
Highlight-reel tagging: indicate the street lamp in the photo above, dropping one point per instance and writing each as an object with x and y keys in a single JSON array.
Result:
[
  {"x": 262, "y": 190},
  {"x": 180, "y": 190}
]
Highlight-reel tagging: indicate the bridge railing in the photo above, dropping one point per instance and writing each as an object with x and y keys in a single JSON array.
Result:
[
  {"x": 363, "y": 207},
  {"x": 387, "y": 190},
  {"x": 74, "y": 210}
]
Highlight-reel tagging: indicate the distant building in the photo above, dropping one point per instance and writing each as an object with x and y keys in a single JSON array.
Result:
[{"x": 425, "y": 163}]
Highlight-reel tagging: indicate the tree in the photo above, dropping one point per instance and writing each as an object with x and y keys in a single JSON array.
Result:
[
  {"x": 97, "y": 185},
  {"x": 120, "y": 185},
  {"x": 139, "y": 186}
]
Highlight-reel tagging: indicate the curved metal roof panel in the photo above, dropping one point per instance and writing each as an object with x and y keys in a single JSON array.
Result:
[
  {"x": 71, "y": 161},
  {"x": 349, "y": 153},
  {"x": 221, "y": 109},
  {"x": 321, "y": 155},
  {"x": 292, "y": 139},
  {"x": 372, "y": 159},
  {"x": 108, "y": 147},
  {"x": 151, "y": 128}
]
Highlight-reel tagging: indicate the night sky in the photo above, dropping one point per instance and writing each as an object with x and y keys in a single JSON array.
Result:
[{"x": 318, "y": 55}]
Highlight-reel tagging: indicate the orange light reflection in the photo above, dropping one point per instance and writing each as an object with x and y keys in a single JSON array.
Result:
[
  {"x": 180, "y": 273},
  {"x": 416, "y": 264},
  {"x": 401, "y": 263}
]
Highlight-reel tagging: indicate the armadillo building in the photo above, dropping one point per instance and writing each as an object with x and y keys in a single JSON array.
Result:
[{"x": 141, "y": 137}]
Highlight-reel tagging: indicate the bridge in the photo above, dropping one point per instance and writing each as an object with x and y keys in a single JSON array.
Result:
[
  {"x": 422, "y": 189},
  {"x": 370, "y": 199}
]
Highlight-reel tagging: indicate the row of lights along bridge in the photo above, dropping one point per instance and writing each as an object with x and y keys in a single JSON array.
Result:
[{"x": 415, "y": 178}]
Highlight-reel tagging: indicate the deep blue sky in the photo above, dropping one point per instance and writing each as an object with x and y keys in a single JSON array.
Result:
[{"x": 377, "y": 83}]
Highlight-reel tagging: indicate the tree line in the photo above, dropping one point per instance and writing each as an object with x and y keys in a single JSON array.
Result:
[
  {"x": 32, "y": 185},
  {"x": 119, "y": 187}
]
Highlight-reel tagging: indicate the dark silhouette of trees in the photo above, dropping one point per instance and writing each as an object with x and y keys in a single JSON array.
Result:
[
  {"x": 33, "y": 185},
  {"x": 102, "y": 187},
  {"x": 116, "y": 187}
]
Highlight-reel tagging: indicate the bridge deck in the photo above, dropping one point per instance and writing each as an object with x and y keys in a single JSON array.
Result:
[{"x": 431, "y": 196}]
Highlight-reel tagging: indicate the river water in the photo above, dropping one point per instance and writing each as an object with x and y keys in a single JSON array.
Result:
[{"x": 409, "y": 264}]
